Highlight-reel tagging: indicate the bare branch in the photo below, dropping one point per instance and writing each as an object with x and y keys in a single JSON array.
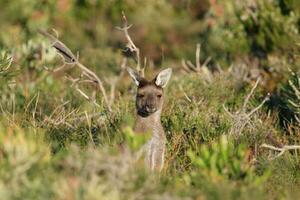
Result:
[
  {"x": 184, "y": 65},
  {"x": 281, "y": 150},
  {"x": 249, "y": 95},
  {"x": 198, "y": 51},
  {"x": 130, "y": 44},
  {"x": 69, "y": 58},
  {"x": 185, "y": 95},
  {"x": 207, "y": 60},
  {"x": 227, "y": 111},
  {"x": 241, "y": 118},
  {"x": 83, "y": 94},
  {"x": 99, "y": 82},
  {"x": 192, "y": 66},
  {"x": 61, "y": 48},
  {"x": 260, "y": 105},
  {"x": 198, "y": 68}
]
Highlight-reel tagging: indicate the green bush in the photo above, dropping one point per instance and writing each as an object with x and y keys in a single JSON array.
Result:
[{"x": 223, "y": 159}]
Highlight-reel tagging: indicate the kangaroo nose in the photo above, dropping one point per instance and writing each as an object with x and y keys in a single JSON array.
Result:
[{"x": 150, "y": 109}]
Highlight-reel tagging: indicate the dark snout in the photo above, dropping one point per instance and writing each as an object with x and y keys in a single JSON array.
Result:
[
  {"x": 147, "y": 110},
  {"x": 150, "y": 108},
  {"x": 150, "y": 104}
]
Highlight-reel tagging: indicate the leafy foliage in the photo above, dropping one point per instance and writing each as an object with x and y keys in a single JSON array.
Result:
[{"x": 222, "y": 159}]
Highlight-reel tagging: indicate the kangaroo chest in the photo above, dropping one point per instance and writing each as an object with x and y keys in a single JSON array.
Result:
[
  {"x": 151, "y": 126},
  {"x": 154, "y": 149}
]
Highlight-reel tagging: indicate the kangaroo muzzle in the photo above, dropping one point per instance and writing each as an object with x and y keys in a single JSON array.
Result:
[{"x": 150, "y": 109}]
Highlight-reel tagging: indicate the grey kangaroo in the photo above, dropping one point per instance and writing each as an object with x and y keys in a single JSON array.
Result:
[{"x": 149, "y": 102}]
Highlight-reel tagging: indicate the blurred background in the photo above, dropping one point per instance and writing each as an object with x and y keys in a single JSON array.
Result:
[
  {"x": 261, "y": 33},
  {"x": 261, "y": 37}
]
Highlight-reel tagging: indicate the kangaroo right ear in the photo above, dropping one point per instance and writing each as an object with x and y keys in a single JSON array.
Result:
[
  {"x": 134, "y": 75},
  {"x": 163, "y": 77}
]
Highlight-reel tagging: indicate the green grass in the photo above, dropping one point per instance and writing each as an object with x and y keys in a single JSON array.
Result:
[{"x": 55, "y": 144}]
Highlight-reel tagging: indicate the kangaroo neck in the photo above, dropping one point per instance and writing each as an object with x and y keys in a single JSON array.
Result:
[
  {"x": 151, "y": 119},
  {"x": 148, "y": 123}
]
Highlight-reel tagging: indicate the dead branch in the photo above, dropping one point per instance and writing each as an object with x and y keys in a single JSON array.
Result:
[
  {"x": 198, "y": 51},
  {"x": 198, "y": 68},
  {"x": 249, "y": 95},
  {"x": 130, "y": 44},
  {"x": 70, "y": 59},
  {"x": 280, "y": 150},
  {"x": 242, "y": 118},
  {"x": 185, "y": 95}
]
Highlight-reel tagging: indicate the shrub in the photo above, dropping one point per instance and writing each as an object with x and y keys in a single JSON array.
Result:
[{"x": 223, "y": 159}]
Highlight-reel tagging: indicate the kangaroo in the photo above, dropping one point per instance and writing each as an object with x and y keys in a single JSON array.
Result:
[{"x": 149, "y": 102}]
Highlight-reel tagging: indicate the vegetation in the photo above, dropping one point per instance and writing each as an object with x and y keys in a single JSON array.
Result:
[{"x": 231, "y": 113}]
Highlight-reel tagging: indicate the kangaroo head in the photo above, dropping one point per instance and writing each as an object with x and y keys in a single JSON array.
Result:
[{"x": 150, "y": 96}]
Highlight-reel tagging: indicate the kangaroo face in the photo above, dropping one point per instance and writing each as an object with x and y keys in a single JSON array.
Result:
[{"x": 149, "y": 98}]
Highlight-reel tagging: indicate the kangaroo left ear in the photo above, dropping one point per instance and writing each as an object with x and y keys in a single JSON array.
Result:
[
  {"x": 163, "y": 77},
  {"x": 134, "y": 75}
]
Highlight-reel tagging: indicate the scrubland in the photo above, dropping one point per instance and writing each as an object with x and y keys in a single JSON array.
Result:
[{"x": 231, "y": 113}]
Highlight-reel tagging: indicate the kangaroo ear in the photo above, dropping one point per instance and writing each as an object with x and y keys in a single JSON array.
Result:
[
  {"x": 163, "y": 77},
  {"x": 134, "y": 75}
]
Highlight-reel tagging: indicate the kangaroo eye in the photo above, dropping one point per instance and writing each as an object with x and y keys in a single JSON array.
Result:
[
  {"x": 140, "y": 95},
  {"x": 159, "y": 95}
]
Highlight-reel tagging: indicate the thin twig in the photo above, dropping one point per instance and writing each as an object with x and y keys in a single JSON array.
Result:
[
  {"x": 75, "y": 83},
  {"x": 185, "y": 95},
  {"x": 227, "y": 111},
  {"x": 260, "y": 105},
  {"x": 249, "y": 95},
  {"x": 100, "y": 84},
  {"x": 281, "y": 150},
  {"x": 198, "y": 51},
  {"x": 184, "y": 65},
  {"x": 35, "y": 106}
]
